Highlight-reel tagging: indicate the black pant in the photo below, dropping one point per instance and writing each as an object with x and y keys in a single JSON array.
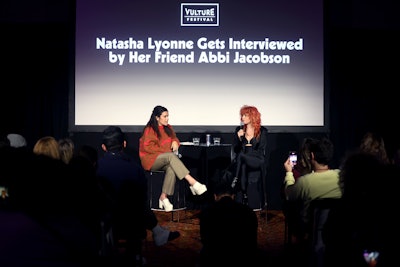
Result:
[{"x": 246, "y": 163}]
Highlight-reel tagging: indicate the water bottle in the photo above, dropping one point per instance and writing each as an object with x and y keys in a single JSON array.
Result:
[{"x": 208, "y": 140}]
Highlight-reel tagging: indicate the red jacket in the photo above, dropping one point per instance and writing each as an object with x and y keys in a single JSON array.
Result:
[{"x": 150, "y": 146}]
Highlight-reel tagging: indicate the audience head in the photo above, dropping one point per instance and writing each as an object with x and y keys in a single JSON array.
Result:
[
  {"x": 4, "y": 141},
  {"x": 223, "y": 188},
  {"x": 305, "y": 155},
  {"x": 66, "y": 146},
  {"x": 84, "y": 164},
  {"x": 16, "y": 140},
  {"x": 322, "y": 151},
  {"x": 113, "y": 139},
  {"x": 358, "y": 175},
  {"x": 374, "y": 144},
  {"x": 89, "y": 153},
  {"x": 396, "y": 158},
  {"x": 47, "y": 146}
]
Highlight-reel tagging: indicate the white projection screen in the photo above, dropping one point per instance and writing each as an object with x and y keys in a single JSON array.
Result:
[{"x": 202, "y": 61}]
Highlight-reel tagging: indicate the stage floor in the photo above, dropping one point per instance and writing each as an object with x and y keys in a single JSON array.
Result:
[{"x": 184, "y": 251}]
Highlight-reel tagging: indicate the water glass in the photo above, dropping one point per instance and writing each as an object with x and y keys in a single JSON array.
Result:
[
  {"x": 217, "y": 141},
  {"x": 196, "y": 141}
]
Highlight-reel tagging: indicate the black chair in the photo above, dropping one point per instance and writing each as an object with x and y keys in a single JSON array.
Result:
[
  {"x": 155, "y": 180},
  {"x": 309, "y": 247},
  {"x": 319, "y": 211},
  {"x": 122, "y": 233},
  {"x": 292, "y": 220}
]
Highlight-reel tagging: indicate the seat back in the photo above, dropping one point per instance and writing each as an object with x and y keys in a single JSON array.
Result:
[{"x": 319, "y": 211}]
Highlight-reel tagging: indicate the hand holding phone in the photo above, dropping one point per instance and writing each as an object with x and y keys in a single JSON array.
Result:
[{"x": 293, "y": 158}]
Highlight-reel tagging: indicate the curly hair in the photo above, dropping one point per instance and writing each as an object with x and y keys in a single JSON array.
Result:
[
  {"x": 255, "y": 118},
  {"x": 374, "y": 144}
]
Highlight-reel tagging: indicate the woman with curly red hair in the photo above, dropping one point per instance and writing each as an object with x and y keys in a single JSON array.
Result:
[{"x": 249, "y": 145}]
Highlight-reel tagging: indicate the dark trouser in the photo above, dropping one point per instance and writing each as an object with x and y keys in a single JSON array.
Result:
[{"x": 244, "y": 164}]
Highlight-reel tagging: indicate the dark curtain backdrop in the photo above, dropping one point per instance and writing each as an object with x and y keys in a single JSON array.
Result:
[{"x": 35, "y": 79}]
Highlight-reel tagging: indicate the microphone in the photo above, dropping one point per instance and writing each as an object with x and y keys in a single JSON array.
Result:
[{"x": 241, "y": 128}]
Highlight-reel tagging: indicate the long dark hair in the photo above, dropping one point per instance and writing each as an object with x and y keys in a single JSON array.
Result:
[{"x": 157, "y": 111}]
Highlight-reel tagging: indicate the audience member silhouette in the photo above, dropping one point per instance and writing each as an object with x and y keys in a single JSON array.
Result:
[
  {"x": 228, "y": 231},
  {"x": 4, "y": 151},
  {"x": 354, "y": 230},
  {"x": 67, "y": 149},
  {"x": 42, "y": 227},
  {"x": 396, "y": 157},
  {"x": 3, "y": 198},
  {"x": 322, "y": 182},
  {"x": 158, "y": 146},
  {"x": 13, "y": 159},
  {"x": 16, "y": 140},
  {"x": 47, "y": 146},
  {"x": 95, "y": 205},
  {"x": 374, "y": 144},
  {"x": 127, "y": 186},
  {"x": 291, "y": 208},
  {"x": 90, "y": 153},
  {"x": 4, "y": 141},
  {"x": 304, "y": 165}
]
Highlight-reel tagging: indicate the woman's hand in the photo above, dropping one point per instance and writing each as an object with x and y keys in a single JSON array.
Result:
[
  {"x": 174, "y": 146},
  {"x": 240, "y": 133},
  {"x": 288, "y": 165}
]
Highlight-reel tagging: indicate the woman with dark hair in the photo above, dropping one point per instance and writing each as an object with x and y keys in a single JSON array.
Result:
[
  {"x": 67, "y": 149},
  {"x": 157, "y": 147},
  {"x": 249, "y": 144},
  {"x": 353, "y": 233},
  {"x": 304, "y": 165},
  {"x": 373, "y": 143}
]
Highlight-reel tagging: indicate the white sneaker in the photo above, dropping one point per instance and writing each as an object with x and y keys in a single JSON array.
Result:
[
  {"x": 165, "y": 204},
  {"x": 234, "y": 182},
  {"x": 198, "y": 188}
]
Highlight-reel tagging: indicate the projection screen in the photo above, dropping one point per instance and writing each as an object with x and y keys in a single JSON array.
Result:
[{"x": 202, "y": 61}]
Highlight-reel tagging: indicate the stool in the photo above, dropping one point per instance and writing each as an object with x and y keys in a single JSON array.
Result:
[
  {"x": 256, "y": 198},
  {"x": 155, "y": 181}
]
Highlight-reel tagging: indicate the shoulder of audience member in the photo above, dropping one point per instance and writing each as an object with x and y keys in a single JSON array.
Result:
[{"x": 337, "y": 170}]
